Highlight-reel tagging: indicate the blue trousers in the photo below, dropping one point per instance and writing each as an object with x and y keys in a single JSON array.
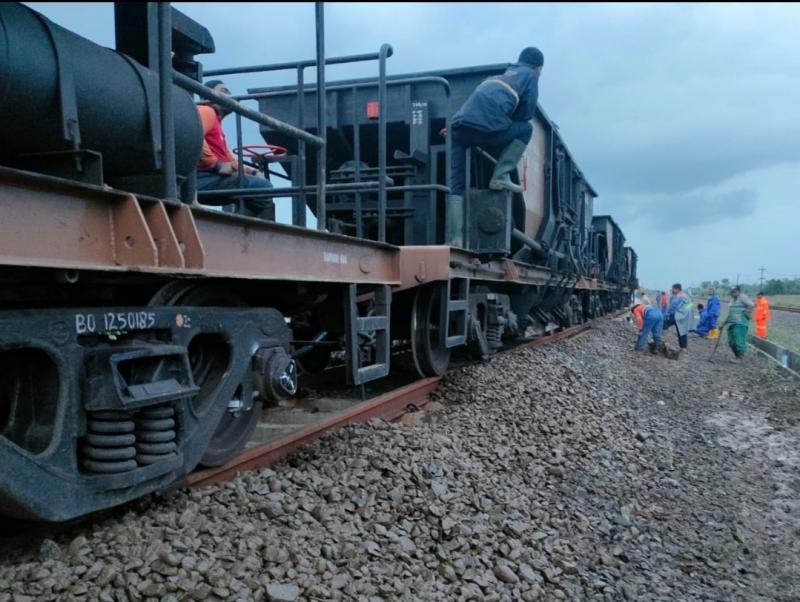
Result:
[
  {"x": 252, "y": 207},
  {"x": 653, "y": 324},
  {"x": 464, "y": 137}
]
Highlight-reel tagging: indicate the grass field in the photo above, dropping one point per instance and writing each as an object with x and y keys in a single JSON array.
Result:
[
  {"x": 784, "y": 327},
  {"x": 784, "y": 300}
]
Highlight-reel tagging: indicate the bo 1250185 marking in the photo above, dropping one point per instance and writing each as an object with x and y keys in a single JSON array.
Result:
[{"x": 91, "y": 323}]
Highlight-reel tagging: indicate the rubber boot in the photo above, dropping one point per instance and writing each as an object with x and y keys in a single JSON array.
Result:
[
  {"x": 455, "y": 221},
  {"x": 262, "y": 209},
  {"x": 506, "y": 162}
]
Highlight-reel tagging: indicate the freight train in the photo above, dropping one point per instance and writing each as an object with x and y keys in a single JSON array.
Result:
[{"x": 143, "y": 332}]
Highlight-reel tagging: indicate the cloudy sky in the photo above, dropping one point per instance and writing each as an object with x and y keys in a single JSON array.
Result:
[{"x": 685, "y": 118}]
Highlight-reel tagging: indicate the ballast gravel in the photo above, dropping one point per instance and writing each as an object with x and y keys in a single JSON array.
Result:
[{"x": 577, "y": 471}]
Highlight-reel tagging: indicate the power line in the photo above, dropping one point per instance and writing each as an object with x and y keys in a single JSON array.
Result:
[{"x": 782, "y": 275}]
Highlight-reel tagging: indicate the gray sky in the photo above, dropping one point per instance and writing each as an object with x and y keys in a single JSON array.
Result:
[{"x": 685, "y": 118}]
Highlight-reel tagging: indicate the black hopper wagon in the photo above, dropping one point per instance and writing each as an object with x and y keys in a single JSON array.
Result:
[{"x": 145, "y": 333}]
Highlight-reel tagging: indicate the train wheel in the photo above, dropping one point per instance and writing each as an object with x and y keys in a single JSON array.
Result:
[
  {"x": 430, "y": 358},
  {"x": 209, "y": 363}
]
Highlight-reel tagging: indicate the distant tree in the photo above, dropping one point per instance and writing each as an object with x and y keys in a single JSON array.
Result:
[
  {"x": 726, "y": 282},
  {"x": 774, "y": 287}
]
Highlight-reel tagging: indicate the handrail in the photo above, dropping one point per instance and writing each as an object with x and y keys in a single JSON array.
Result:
[
  {"x": 351, "y": 187},
  {"x": 191, "y": 85},
  {"x": 336, "y": 60},
  {"x": 358, "y": 86}
]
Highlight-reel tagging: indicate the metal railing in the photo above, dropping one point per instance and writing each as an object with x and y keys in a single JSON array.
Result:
[
  {"x": 299, "y": 206},
  {"x": 301, "y": 190},
  {"x": 358, "y": 187}
]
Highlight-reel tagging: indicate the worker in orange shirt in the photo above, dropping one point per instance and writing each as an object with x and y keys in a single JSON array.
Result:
[
  {"x": 761, "y": 315},
  {"x": 649, "y": 322},
  {"x": 217, "y": 169}
]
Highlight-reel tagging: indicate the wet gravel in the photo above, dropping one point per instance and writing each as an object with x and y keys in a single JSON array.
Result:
[{"x": 583, "y": 470}]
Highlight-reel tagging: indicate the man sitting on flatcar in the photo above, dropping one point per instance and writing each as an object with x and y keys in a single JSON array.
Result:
[
  {"x": 496, "y": 117},
  {"x": 218, "y": 167}
]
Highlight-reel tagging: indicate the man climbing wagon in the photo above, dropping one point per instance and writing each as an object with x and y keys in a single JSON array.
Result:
[{"x": 496, "y": 117}]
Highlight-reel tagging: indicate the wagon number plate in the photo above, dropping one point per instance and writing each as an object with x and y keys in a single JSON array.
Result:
[{"x": 132, "y": 320}]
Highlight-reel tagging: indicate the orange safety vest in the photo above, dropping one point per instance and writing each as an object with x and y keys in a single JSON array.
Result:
[
  {"x": 761, "y": 314},
  {"x": 638, "y": 314}
]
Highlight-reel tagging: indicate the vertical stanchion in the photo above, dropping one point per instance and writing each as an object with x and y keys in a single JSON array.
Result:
[
  {"x": 239, "y": 152},
  {"x": 299, "y": 203},
  {"x": 170, "y": 185},
  {"x": 321, "y": 110},
  {"x": 384, "y": 52},
  {"x": 357, "y": 162}
]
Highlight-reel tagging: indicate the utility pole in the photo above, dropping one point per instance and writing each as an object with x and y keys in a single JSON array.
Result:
[
  {"x": 761, "y": 285},
  {"x": 737, "y": 278}
]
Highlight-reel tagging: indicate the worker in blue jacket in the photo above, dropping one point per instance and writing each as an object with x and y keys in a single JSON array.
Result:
[
  {"x": 708, "y": 321},
  {"x": 497, "y": 117},
  {"x": 713, "y": 306}
]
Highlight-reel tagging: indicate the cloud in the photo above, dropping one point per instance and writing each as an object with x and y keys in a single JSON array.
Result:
[
  {"x": 747, "y": 221},
  {"x": 689, "y": 211}
]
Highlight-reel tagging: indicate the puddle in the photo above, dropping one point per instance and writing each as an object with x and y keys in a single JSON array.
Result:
[
  {"x": 774, "y": 454},
  {"x": 751, "y": 431}
]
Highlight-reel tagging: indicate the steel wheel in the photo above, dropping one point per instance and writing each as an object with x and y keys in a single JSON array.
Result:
[
  {"x": 209, "y": 362},
  {"x": 430, "y": 358}
]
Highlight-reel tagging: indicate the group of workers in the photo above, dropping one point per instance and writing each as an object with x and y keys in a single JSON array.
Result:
[{"x": 677, "y": 310}]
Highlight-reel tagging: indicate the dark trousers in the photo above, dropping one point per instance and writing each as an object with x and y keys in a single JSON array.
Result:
[
  {"x": 683, "y": 339},
  {"x": 464, "y": 137},
  {"x": 251, "y": 206}
]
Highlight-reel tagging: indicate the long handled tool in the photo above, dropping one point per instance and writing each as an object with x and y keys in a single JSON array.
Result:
[{"x": 719, "y": 338}]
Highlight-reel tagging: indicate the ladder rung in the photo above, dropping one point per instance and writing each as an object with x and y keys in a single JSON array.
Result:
[
  {"x": 371, "y": 323},
  {"x": 368, "y": 373},
  {"x": 459, "y": 305},
  {"x": 455, "y": 341}
]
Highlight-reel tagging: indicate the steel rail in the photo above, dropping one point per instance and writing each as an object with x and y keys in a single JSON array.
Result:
[
  {"x": 389, "y": 406},
  {"x": 795, "y": 310}
]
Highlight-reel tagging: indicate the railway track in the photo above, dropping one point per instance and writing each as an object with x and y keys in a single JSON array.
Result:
[
  {"x": 287, "y": 434},
  {"x": 795, "y": 310}
]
